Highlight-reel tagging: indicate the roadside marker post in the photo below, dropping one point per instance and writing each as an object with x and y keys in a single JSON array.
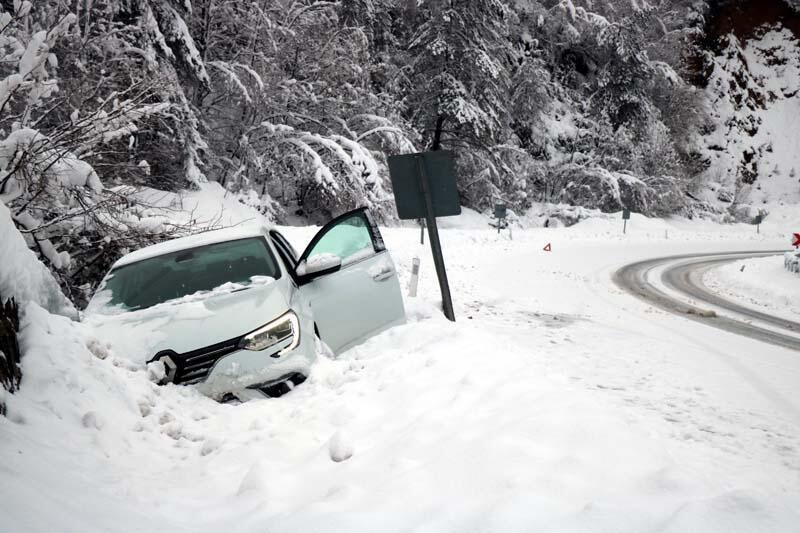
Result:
[
  {"x": 425, "y": 187},
  {"x": 626, "y": 216},
  {"x": 414, "y": 282},
  {"x": 758, "y": 220}
]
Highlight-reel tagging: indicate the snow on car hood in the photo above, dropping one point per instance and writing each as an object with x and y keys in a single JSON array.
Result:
[{"x": 191, "y": 323}]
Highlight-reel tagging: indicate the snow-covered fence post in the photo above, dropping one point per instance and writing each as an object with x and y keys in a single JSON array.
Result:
[{"x": 10, "y": 374}]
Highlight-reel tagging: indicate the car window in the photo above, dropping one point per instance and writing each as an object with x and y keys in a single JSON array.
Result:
[
  {"x": 350, "y": 240},
  {"x": 233, "y": 264}
]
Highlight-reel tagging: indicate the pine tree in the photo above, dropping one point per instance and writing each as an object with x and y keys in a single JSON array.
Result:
[{"x": 460, "y": 77}]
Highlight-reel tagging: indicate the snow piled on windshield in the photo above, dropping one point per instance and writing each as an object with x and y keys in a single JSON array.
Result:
[{"x": 101, "y": 301}]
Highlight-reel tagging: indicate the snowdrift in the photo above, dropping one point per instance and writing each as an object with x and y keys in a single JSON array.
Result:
[{"x": 22, "y": 275}]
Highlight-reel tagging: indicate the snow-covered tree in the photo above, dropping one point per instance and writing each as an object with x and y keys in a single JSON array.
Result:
[
  {"x": 292, "y": 110},
  {"x": 56, "y": 138},
  {"x": 459, "y": 72}
]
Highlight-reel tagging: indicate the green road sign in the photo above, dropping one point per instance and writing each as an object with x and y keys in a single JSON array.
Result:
[
  {"x": 439, "y": 168},
  {"x": 500, "y": 211},
  {"x": 626, "y": 214},
  {"x": 425, "y": 187}
]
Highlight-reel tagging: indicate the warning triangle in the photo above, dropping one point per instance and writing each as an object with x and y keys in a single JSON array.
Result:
[{"x": 548, "y": 248}]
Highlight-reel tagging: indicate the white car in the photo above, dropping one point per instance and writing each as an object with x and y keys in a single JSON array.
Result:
[{"x": 236, "y": 311}]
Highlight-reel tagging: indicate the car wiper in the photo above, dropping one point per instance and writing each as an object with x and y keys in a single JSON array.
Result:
[{"x": 240, "y": 289}]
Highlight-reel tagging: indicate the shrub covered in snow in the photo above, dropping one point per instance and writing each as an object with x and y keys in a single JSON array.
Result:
[
  {"x": 791, "y": 260},
  {"x": 610, "y": 191}
]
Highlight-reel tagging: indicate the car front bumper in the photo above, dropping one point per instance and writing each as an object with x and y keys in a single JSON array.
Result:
[
  {"x": 224, "y": 368},
  {"x": 245, "y": 370}
]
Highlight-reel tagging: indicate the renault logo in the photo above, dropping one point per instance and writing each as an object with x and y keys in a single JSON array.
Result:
[{"x": 170, "y": 368}]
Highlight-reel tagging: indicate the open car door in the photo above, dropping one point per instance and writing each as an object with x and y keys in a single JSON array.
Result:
[{"x": 350, "y": 281}]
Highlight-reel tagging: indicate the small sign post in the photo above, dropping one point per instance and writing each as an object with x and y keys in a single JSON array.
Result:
[
  {"x": 501, "y": 219},
  {"x": 626, "y": 216},
  {"x": 425, "y": 187},
  {"x": 758, "y": 220},
  {"x": 796, "y": 240}
]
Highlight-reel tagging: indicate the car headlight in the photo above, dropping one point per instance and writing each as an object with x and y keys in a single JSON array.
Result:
[{"x": 277, "y": 331}]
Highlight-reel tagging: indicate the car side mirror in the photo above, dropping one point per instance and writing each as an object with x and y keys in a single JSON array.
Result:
[{"x": 319, "y": 265}]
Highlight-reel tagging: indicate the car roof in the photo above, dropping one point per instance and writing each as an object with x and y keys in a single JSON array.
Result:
[{"x": 193, "y": 241}]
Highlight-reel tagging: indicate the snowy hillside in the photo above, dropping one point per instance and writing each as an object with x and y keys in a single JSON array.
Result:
[{"x": 754, "y": 95}]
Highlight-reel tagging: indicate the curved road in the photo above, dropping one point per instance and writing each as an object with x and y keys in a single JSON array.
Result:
[{"x": 684, "y": 274}]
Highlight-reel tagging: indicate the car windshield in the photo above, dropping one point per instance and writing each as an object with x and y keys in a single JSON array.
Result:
[{"x": 233, "y": 264}]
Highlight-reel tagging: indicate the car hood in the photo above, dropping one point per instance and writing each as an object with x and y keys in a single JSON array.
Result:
[{"x": 186, "y": 326}]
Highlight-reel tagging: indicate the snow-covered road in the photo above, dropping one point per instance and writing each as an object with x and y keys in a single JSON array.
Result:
[
  {"x": 556, "y": 402},
  {"x": 685, "y": 294}
]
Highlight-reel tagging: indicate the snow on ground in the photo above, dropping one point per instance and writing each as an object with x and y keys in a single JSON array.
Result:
[
  {"x": 762, "y": 283},
  {"x": 554, "y": 403}
]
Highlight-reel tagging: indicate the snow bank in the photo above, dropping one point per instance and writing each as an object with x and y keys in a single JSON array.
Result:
[
  {"x": 468, "y": 219},
  {"x": 763, "y": 283},
  {"x": 22, "y": 275},
  {"x": 554, "y": 403},
  {"x": 74, "y": 418}
]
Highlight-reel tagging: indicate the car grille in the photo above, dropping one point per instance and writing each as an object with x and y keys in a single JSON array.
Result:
[{"x": 194, "y": 366}]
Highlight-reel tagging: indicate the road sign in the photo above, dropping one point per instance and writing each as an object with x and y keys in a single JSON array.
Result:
[
  {"x": 757, "y": 221},
  {"x": 548, "y": 248},
  {"x": 796, "y": 240},
  {"x": 425, "y": 187},
  {"x": 501, "y": 222},
  {"x": 441, "y": 175},
  {"x": 626, "y": 214}
]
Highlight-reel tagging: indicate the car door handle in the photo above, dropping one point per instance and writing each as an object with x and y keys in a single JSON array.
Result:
[{"x": 384, "y": 274}]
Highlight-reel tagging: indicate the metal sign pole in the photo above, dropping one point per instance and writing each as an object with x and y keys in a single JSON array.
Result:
[
  {"x": 436, "y": 245},
  {"x": 626, "y": 214}
]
